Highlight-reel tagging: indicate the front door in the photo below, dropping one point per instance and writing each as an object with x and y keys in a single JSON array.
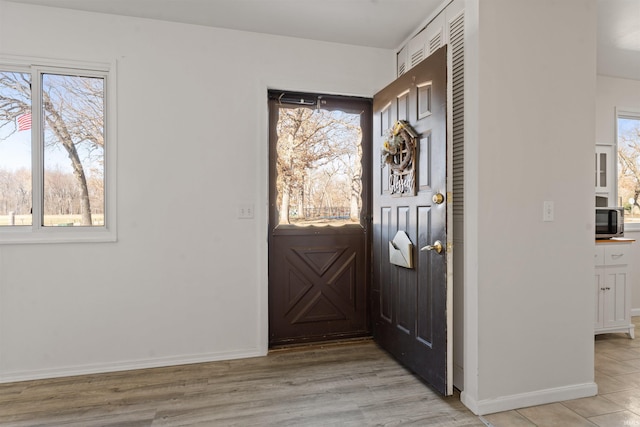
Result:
[
  {"x": 411, "y": 302},
  {"x": 319, "y": 215}
]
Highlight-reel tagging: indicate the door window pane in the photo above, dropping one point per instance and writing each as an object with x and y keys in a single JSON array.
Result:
[{"x": 319, "y": 167}]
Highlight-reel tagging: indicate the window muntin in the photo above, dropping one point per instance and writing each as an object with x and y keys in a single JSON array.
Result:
[{"x": 71, "y": 159}]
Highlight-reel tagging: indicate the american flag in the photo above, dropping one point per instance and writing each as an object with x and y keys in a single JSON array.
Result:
[{"x": 24, "y": 122}]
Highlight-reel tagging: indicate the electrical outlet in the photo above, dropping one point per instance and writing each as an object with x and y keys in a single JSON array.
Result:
[
  {"x": 245, "y": 211},
  {"x": 547, "y": 211}
]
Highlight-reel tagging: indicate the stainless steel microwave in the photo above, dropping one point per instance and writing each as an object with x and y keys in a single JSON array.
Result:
[{"x": 609, "y": 223}]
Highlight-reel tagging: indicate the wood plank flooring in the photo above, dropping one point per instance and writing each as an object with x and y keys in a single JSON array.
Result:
[{"x": 346, "y": 384}]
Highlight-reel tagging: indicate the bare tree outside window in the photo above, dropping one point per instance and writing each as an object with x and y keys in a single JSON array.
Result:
[
  {"x": 629, "y": 166},
  {"x": 319, "y": 170},
  {"x": 15, "y": 142},
  {"x": 74, "y": 123},
  {"x": 73, "y": 148}
]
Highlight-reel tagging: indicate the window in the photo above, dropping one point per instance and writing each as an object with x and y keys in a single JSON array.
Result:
[
  {"x": 628, "y": 143},
  {"x": 319, "y": 166},
  {"x": 56, "y": 153}
]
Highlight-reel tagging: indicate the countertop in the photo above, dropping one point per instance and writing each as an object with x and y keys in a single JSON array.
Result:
[{"x": 614, "y": 240}]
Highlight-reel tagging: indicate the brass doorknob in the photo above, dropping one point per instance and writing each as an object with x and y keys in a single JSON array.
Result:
[
  {"x": 437, "y": 246},
  {"x": 437, "y": 198}
]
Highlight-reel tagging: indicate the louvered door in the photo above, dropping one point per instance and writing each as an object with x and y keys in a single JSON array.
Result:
[{"x": 455, "y": 38}]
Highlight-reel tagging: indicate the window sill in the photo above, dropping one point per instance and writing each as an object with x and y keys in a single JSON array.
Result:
[{"x": 28, "y": 236}]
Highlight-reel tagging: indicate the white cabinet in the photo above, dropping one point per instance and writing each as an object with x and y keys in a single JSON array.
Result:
[
  {"x": 612, "y": 287},
  {"x": 604, "y": 174}
]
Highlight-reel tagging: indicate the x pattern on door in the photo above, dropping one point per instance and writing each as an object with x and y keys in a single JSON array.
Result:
[{"x": 322, "y": 284}]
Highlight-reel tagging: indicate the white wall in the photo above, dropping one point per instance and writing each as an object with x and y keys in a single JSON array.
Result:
[
  {"x": 614, "y": 92},
  {"x": 186, "y": 280},
  {"x": 529, "y": 316},
  {"x": 172, "y": 290},
  {"x": 611, "y": 93}
]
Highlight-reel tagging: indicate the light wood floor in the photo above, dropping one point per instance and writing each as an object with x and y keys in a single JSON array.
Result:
[{"x": 354, "y": 384}]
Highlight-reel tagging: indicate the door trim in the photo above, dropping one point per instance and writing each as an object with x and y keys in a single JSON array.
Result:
[{"x": 449, "y": 221}]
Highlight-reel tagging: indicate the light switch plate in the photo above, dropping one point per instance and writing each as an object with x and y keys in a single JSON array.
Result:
[
  {"x": 245, "y": 211},
  {"x": 547, "y": 211}
]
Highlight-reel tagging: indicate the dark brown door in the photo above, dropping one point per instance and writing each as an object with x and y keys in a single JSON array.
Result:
[
  {"x": 320, "y": 186},
  {"x": 410, "y": 305}
]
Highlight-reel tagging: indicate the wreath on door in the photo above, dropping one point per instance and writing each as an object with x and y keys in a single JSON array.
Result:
[{"x": 399, "y": 153}]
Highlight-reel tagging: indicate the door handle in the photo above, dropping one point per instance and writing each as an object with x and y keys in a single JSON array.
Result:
[
  {"x": 437, "y": 198},
  {"x": 437, "y": 246}
]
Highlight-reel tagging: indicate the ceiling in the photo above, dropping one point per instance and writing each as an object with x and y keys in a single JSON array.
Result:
[
  {"x": 619, "y": 38},
  {"x": 383, "y": 24},
  {"x": 374, "y": 23}
]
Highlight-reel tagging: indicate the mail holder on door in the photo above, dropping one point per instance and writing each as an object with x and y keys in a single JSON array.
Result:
[{"x": 401, "y": 250}]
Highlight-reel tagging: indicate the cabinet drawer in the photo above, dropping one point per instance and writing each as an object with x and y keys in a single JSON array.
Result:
[{"x": 616, "y": 254}]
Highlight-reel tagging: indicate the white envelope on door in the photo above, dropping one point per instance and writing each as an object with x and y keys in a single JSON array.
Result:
[{"x": 401, "y": 250}]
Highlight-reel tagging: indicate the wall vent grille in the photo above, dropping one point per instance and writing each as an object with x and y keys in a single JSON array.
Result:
[
  {"x": 435, "y": 43},
  {"x": 456, "y": 40},
  {"x": 416, "y": 57}
]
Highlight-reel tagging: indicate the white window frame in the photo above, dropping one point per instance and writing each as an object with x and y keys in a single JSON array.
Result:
[
  {"x": 37, "y": 232},
  {"x": 634, "y": 113}
]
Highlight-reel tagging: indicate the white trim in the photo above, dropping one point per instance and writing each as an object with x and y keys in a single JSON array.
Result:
[
  {"x": 449, "y": 220},
  {"x": 471, "y": 267},
  {"x": 635, "y": 312},
  {"x": 30, "y": 61},
  {"x": 262, "y": 211},
  {"x": 424, "y": 24},
  {"x": 523, "y": 400},
  {"x": 100, "y": 368},
  {"x": 631, "y": 111},
  {"x": 37, "y": 233}
]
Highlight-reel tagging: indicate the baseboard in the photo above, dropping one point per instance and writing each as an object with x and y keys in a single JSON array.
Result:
[
  {"x": 523, "y": 400},
  {"x": 9, "y": 377},
  {"x": 635, "y": 312}
]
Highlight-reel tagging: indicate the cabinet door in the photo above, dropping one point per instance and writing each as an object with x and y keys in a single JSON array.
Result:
[
  {"x": 612, "y": 293},
  {"x": 616, "y": 300},
  {"x": 603, "y": 168}
]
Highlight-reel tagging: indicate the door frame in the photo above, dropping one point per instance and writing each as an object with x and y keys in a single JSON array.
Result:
[{"x": 449, "y": 220}]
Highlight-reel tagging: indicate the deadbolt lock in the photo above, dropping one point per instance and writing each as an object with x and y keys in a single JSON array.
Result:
[{"x": 438, "y": 198}]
